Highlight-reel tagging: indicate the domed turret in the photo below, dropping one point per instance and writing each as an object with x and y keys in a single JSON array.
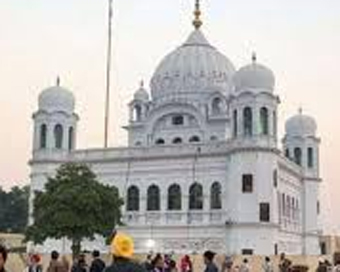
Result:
[
  {"x": 194, "y": 67},
  {"x": 55, "y": 121},
  {"x": 56, "y": 98},
  {"x": 141, "y": 94},
  {"x": 301, "y": 125},
  {"x": 301, "y": 143},
  {"x": 254, "y": 76}
]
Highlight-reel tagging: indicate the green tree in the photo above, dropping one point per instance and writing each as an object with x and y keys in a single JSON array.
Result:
[
  {"x": 14, "y": 209},
  {"x": 76, "y": 206}
]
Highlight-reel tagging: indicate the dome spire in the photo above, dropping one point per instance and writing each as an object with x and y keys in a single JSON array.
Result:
[
  {"x": 197, "y": 21},
  {"x": 58, "y": 81}
]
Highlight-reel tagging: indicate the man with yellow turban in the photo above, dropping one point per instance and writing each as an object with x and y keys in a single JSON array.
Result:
[{"x": 122, "y": 249}]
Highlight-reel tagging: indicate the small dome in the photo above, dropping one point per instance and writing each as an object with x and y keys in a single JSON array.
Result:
[
  {"x": 254, "y": 76},
  {"x": 56, "y": 98},
  {"x": 301, "y": 125},
  {"x": 141, "y": 94},
  {"x": 195, "y": 67}
]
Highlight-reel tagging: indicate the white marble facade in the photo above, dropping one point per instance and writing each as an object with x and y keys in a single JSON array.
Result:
[{"x": 202, "y": 168}]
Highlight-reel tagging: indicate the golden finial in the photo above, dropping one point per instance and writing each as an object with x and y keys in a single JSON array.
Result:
[
  {"x": 254, "y": 57},
  {"x": 197, "y": 21}
]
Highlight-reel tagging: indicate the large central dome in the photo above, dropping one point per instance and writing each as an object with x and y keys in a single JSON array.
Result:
[{"x": 194, "y": 68}]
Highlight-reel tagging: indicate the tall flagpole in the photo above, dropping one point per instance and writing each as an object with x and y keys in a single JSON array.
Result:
[{"x": 108, "y": 73}]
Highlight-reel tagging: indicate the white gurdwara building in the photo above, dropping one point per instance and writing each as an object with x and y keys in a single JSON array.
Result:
[{"x": 202, "y": 169}]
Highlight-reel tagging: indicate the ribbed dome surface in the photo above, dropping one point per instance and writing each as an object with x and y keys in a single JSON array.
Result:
[
  {"x": 194, "y": 67},
  {"x": 254, "y": 76},
  {"x": 301, "y": 125},
  {"x": 56, "y": 98}
]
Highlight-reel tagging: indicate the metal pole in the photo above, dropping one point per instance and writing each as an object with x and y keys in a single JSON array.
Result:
[{"x": 108, "y": 73}]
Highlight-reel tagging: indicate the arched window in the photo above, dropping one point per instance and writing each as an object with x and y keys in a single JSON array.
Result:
[
  {"x": 216, "y": 106},
  {"x": 310, "y": 157},
  {"x": 284, "y": 205},
  {"x": 279, "y": 206},
  {"x": 288, "y": 209},
  {"x": 248, "y": 121},
  {"x": 70, "y": 138},
  {"x": 153, "y": 200},
  {"x": 160, "y": 141},
  {"x": 194, "y": 139},
  {"x": 137, "y": 113},
  {"x": 58, "y": 136},
  {"x": 43, "y": 136},
  {"x": 264, "y": 116},
  {"x": 215, "y": 196},
  {"x": 235, "y": 127},
  {"x": 275, "y": 178},
  {"x": 274, "y": 123},
  {"x": 293, "y": 208},
  {"x": 177, "y": 140},
  {"x": 132, "y": 203},
  {"x": 196, "y": 197},
  {"x": 174, "y": 198},
  {"x": 298, "y": 155},
  {"x": 287, "y": 154}
]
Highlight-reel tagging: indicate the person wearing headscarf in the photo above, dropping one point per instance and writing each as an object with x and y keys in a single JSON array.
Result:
[{"x": 122, "y": 249}]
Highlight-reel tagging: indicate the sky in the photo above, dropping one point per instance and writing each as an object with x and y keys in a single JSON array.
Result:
[{"x": 43, "y": 39}]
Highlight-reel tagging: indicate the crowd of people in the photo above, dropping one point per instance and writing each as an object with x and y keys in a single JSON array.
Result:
[{"x": 122, "y": 249}]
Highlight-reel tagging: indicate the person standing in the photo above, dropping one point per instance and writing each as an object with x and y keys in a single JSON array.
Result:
[
  {"x": 210, "y": 266},
  {"x": 173, "y": 266},
  {"x": 186, "y": 264},
  {"x": 158, "y": 263},
  {"x": 148, "y": 263},
  {"x": 227, "y": 265},
  {"x": 285, "y": 264},
  {"x": 245, "y": 266},
  {"x": 80, "y": 265},
  {"x": 3, "y": 258},
  {"x": 267, "y": 266},
  {"x": 122, "y": 249},
  {"x": 34, "y": 264},
  {"x": 55, "y": 265},
  {"x": 97, "y": 264}
]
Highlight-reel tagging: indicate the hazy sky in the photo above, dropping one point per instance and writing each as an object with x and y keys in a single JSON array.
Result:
[{"x": 40, "y": 39}]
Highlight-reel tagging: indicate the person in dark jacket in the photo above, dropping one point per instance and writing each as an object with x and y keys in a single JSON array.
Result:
[
  {"x": 148, "y": 263},
  {"x": 122, "y": 248},
  {"x": 80, "y": 264},
  {"x": 3, "y": 258},
  {"x": 97, "y": 264},
  {"x": 209, "y": 261}
]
